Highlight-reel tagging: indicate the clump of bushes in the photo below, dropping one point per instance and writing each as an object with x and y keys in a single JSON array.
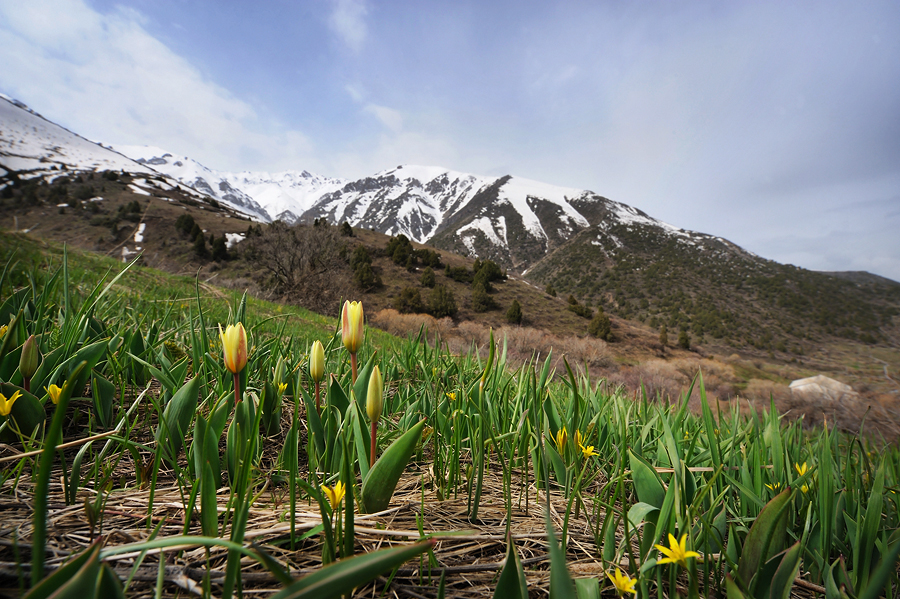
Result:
[
  {"x": 514, "y": 314},
  {"x": 579, "y": 309},
  {"x": 363, "y": 274},
  {"x": 600, "y": 326}
]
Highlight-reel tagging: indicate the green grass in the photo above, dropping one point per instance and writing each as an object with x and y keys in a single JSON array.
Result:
[{"x": 759, "y": 500}]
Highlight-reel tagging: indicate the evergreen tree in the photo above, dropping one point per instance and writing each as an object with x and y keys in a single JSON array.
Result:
[
  {"x": 409, "y": 301},
  {"x": 549, "y": 290},
  {"x": 664, "y": 336},
  {"x": 442, "y": 302},
  {"x": 514, "y": 314},
  {"x": 219, "y": 248},
  {"x": 481, "y": 301},
  {"x": 346, "y": 229},
  {"x": 600, "y": 326},
  {"x": 684, "y": 341},
  {"x": 200, "y": 246},
  {"x": 428, "y": 279}
]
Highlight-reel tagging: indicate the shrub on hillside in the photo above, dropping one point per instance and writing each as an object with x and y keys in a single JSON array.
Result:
[
  {"x": 307, "y": 265},
  {"x": 409, "y": 301},
  {"x": 428, "y": 279},
  {"x": 442, "y": 303},
  {"x": 600, "y": 326},
  {"x": 514, "y": 314},
  {"x": 481, "y": 300}
]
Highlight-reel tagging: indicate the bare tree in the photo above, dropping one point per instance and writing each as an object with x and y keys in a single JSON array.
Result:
[{"x": 305, "y": 264}]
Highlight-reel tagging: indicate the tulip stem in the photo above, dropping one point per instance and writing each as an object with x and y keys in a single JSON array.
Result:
[
  {"x": 26, "y": 384},
  {"x": 237, "y": 389},
  {"x": 372, "y": 454},
  {"x": 353, "y": 366},
  {"x": 318, "y": 410}
]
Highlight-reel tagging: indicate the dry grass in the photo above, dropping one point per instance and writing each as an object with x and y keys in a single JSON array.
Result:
[{"x": 522, "y": 342}]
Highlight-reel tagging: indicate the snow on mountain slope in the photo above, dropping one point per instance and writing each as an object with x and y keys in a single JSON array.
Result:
[
  {"x": 33, "y": 146},
  {"x": 412, "y": 200},
  {"x": 203, "y": 179},
  {"x": 511, "y": 220}
]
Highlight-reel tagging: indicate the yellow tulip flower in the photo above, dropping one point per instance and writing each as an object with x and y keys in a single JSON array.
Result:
[
  {"x": 317, "y": 361},
  {"x": 561, "y": 438},
  {"x": 53, "y": 391},
  {"x": 352, "y": 325},
  {"x": 7, "y": 404},
  {"x": 375, "y": 395},
  {"x": 622, "y": 582},
  {"x": 676, "y": 552},
  {"x": 234, "y": 346},
  {"x": 335, "y": 495}
]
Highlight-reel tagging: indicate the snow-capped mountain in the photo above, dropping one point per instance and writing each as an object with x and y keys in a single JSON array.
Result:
[
  {"x": 267, "y": 197},
  {"x": 32, "y": 146},
  {"x": 511, "y": 220}
]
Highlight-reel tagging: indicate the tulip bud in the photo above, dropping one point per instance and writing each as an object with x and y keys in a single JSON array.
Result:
[
  {"x": 317, "y": 361},
  {"x": 279, "y": 373},
  {"x": 234, "y": 346},
  {"x": 375, "y": 396},
  {"x": 28, "y": 362},
  {"x": 352, "y": 325}
]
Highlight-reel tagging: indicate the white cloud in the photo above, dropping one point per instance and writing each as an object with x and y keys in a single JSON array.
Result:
[
  {"x": 105, "y": 77},
  {"x": 390, "y": 118},
  {"x": 347, "y": 20}
]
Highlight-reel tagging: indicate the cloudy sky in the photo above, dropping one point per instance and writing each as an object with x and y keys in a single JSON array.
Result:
[{"x": 773, "y": 124}]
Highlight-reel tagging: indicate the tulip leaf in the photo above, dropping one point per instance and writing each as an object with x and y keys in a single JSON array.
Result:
[
  {"x": 176, "y": 419},
  {"x": 76, "y": 580},
  {"x": 335, "y": 395},
  {"x": 27, "y": 414},
  {"x": 90, "y": 354},
  {"x": 361, "y": 438},
  {"x": 561, "y": 584},
  {"x": 343, "y": 576},
  {"x": 109, "y": 586},
  {"x": 765, "y": 537},
  {"x": 788, "y": 567},
  {"x": 646, "y": 481},
  {"x": 587, "y": 588},
  {"x": 361, "y": 387},
  {"x": 104, "y": 394},
  {"x": 378, "y": 486},
  {"x": 512, "y": 583}
]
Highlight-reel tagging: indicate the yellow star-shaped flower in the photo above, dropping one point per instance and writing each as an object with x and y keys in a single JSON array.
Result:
[
  {"x": 53, "y": 391},
  {"x": 676, "y": 552},
  {"x": 7, "y": 404},
  {"x": 622, "y": 582},
  {"x": 561, "y": 437},
  {"x": 802, "y": 470},
  {"x": 335, "y": 495}
]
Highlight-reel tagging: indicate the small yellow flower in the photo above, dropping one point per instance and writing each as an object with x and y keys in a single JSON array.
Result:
[
  {"x": 375, "y": 395},
  {"x": 622, "y": 582},
  {"x": 7, "y": 404},
  {"x": 686, "y": 436},
  {"x": 334, "y": 495},
  {"x": 317, "y": 361},
  {"x": 234, "y": 346},
  {"x": 451, "y": 396},
  {"x": 587, "y": 451},
  {"x": 3, "y": 330},
  {"x": 352, "y": 325},
  {"x": 774, "y": 487},
  {"x": 561, "y": 437},
  {"x": 54, "y": 392},
  {"x": 676, "y": 552},
  {"x": 281, "y": 388},
  {"x": 802, "y": 470}
]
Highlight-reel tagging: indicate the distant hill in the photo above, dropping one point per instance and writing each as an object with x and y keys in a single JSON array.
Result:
[{"x": 603, "y": 253}]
